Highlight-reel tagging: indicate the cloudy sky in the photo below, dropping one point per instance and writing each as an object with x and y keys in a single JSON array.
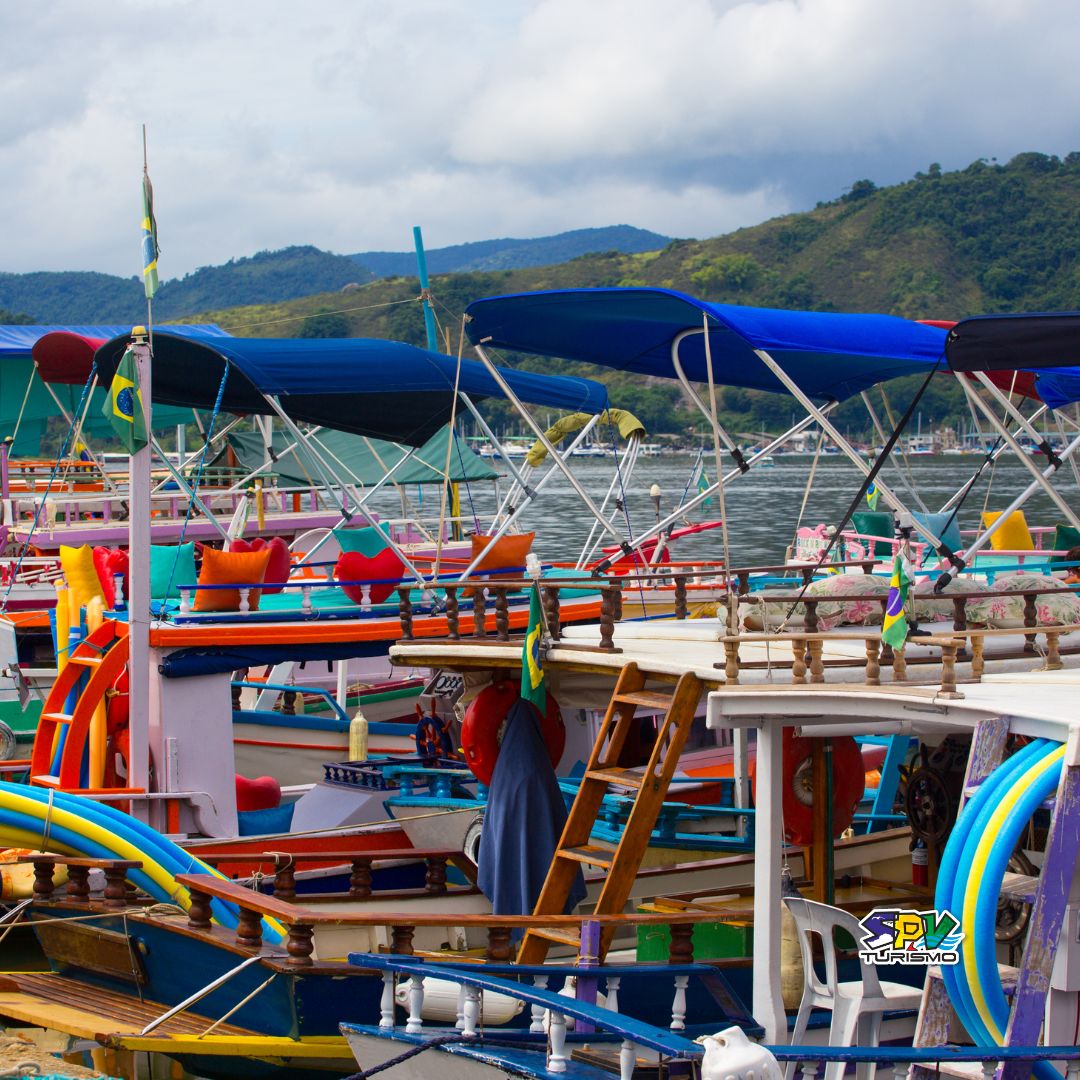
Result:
[{"x": 343, "y": 123}]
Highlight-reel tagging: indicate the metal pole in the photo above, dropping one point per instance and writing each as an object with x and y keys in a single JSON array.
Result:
[{"x": 189, "y": 491}]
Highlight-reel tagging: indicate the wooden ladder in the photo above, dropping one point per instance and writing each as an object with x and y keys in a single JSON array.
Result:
[
  {"x": 650, "y": 785},
  {"x": 102, "y": 656}
]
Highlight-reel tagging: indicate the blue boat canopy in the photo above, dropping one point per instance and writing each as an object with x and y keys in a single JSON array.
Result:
[
  {"x": 828, "y": 355},
  {"x": 1047, "y": 343},
  {"x": 382, "y": 389}
]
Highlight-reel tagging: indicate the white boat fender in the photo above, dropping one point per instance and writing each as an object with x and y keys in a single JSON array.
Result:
[
  {"x": 441, "y": 1002},
  {"x": 730, "y": 1055}
]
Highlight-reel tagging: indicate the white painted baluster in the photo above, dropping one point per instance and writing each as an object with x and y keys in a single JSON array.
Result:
[
  {"x": 472, "y": 1010},
  {"x": 613, "y": 983},
  {"x": 386, "y": 1004},
  {"x": 809, "y": 1070},
  {"x": 537, "y": 1025},
  {"x": 901, "y": 1068},
  {"x": 365, "y": 597},
  {"x": 415, "y": 1023},
  {"x": 245, "y": 602},
  {"x": 678, "y": 1006},
  {"x": 185, "y": 601},
  {"x": 460, "y": 1024},
  {"x": 557, "y": 1033},
  {"x": 118, "y": 587},
  {"x": 305, "y": 599},
  {"x": 627, "y": 1059}
]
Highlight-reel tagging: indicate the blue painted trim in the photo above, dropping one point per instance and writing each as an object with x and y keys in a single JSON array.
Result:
[{"x": 315, "y": 722}]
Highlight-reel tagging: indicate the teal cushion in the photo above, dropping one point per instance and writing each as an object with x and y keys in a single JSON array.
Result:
[
  {"x": 1066, "y": 537},
  {"x": 875, "y": 523},
  {"x": 583, "y": 575},
  {"x": 171, "y": 562},
  {"x": 369, "y": 541},
  {"x": 945, "y": 527}
]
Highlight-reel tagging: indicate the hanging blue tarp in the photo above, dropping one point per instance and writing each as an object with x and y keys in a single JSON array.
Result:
[
  {"x": 383, "y": 389},
  {"x": 828, "y": 355}
]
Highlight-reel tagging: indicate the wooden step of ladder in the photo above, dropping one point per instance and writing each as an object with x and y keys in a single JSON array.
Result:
[{"x": 648, "y": 786}]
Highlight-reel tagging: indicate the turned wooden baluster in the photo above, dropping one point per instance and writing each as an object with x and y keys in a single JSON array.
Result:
[
  {"x": 360, "y": 878},
  {"x": 817, "y": 666},
  {"x": 285, "y": 881},
  {"x": 199, "y": 911},
  {"x": 550, "y": 598},
  {"x": 401, "y": 940},
  {"x": 499, "y": 948},
  {"x": 43, "y": 879},
  {"x": 1053, "y": 653},
  {"x": 405, "y": 613},
  {"x": 680, "y": 596},
  {"x": 798, "y": 663},
  {"x": 618, "y": 599},
  {"x": 453, "y": 615},
  {"x": 78, "y": 886},
  {"x": 249, "y": 929},
  {"x": 299, "y": 945},
  {"x": 435, "y": 879},
  {"x": 115, "y": 895},
  {"x": 607, "y": 620},
  {"x": 681, "y": 949},
  {"x": 899, "y": 665},
  {"x": 743, "y": 577},
  {"x": 479, "y": 602},
  {"x": 811, "y": 620},
  {"x": 731, "y": 661},
  {"x": 502, "y": 613},
  {"x": 977, "y": 659},
  {"x": 948, "y": 671},
  {"x": 873, "y": 664},
  {"x": 1031, "y": 618}
]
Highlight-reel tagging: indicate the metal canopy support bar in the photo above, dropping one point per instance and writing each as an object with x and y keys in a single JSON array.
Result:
[
  {"x": 1040, "y": 478},
  {"x": 493, "y": 439},
  {"x": 695, "y": 397},
  {"x": 189, "y": 491},
  {"x": 542, "y": 436},
  {"x": 905, "y": 478},
  {"x": 848, "y": 450},
  {"x": 190, "y": 459},
  {"x": 108, "y": 480},
  {"x": 1040, "y": 440}
]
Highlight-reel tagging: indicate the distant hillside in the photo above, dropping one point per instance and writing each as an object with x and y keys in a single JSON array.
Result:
[
  {"x": 289, "y": 274},
  {"x": 510, "y": 254},
  {"x": 987, "y": 238}
]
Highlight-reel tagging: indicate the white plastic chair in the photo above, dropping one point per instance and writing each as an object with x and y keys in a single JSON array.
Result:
[{"x": 857, "y": 1006}]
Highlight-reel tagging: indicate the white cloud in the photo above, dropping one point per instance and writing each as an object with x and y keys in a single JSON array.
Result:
[{"x": 344, "y": 122}]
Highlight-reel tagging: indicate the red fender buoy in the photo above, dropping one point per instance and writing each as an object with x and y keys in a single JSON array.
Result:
[
  {"x": 482, "y": 728},
  {"x": 849, "y": 782}
]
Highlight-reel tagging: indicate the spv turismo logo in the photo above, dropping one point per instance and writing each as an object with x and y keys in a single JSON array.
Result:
[{"x": 910, "y": 937}]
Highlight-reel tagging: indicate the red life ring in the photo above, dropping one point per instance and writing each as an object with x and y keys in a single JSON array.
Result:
[
  {"x": 849, "y": 782},
  {"x": 482, "y": 728}
]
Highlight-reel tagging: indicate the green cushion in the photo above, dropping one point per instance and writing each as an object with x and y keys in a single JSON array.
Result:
[
  {"x": 369, "y": 541},
  {"x": 875, "y": 523},
  {"x": 1065, "y": 538},
  {"x": 171, "y": 562}
]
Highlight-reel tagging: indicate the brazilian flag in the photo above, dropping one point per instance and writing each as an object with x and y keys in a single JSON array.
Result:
[
  {"x": 124, "y": 407},
  {"x": 894, "y": 627},
  {"x": 150, "y": 249},
  {"x": 532, "y": 670}
]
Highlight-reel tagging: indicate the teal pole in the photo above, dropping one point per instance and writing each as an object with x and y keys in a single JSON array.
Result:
[{"x": 425, "y": 294}]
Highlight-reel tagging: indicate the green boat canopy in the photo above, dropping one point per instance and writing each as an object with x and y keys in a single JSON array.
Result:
[{"x": 362, "y": 460}]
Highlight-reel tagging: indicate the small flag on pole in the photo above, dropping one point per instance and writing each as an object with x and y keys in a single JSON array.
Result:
[
  {"x": 872, "y": 494},
  {"x": 894, "y": 627},
  {"x": 124, "y": 406},
  {"x": 150, "y": 249},
  {"x": 532, "y": 668},
  {"x": 703, "y": 485}
]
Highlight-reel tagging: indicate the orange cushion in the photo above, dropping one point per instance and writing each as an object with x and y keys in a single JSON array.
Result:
[
  {"x": 509, "y": 551},
  {"x": 1013, "y": 535},
  {"x": 227, "y": 568}
]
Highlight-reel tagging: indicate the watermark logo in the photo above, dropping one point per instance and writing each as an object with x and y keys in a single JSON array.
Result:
[{"x": 891, "y": 936}]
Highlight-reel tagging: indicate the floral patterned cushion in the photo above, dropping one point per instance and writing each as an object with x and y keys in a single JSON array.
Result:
[
  {"x": 758, "y": 613},
  {"x": 1007, "y": 612},
  {"x": 934, "y": 610}
]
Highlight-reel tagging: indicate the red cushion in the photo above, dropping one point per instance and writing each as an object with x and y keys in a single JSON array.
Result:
[
  {"x": 277, "y": 569},
  {"x": 352, "y": 566},
  {"x": 108, "y": 562},
  {"x": 263, "y": 793}
]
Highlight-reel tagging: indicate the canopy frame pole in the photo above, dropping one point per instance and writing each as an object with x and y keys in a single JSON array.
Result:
[
  {"x": 695, "y": 397},
  {"x": 322, "y": 466},
  {"x": 988, "y": 458},
  {"x": 344, "y": 519},
  {"x": 188, "y": 490},
  {"x": 192, "y": 458},
  {"x": 1040, "y": 478},
  {"x": 981, "y": 541},
  {"x": 244, "y": 481},
  {"x": 514, "y": 400},
  {"x": 516, "y": 512},
  {"x": 691, "y": 504},
  {"x": 843, "y": 445},
  {"x": 1064, "y": 438},
  {"x": 109, "y": 482},
  {"x": 629, "y": 463},
  {"x": 1041, "y": 441},
  {"x": 904, "y": 479},
  {"x": 493, "y": 439}
]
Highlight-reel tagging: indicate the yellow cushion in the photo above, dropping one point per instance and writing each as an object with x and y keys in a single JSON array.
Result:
[
  {"x": 228, "y": 568},
  {"x": 81, "y": 576},
  {"x": 1013, "y": 535}
]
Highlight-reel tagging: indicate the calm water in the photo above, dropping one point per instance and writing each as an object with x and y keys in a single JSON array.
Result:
[{"x": 762, "y": 506}]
